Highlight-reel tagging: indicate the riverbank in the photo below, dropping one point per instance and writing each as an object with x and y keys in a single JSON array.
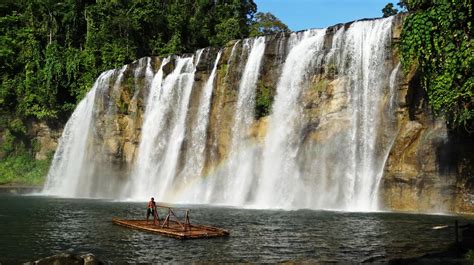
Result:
[{"x": 23, "y": 169}]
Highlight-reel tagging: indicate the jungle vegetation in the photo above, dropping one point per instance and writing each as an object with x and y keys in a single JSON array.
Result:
[{"x": 437, "y": 40}]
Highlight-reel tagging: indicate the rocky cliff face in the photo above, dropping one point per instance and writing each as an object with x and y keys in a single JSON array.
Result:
[
  {"x": 428, "y": 168},
  {"x": 43, "y": 138}
]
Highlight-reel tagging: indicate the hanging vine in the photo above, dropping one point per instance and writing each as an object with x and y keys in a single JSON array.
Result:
[{"x": 437, "y": 38}]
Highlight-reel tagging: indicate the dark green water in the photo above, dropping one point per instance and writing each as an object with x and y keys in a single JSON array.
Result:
[{"x": 35, "y": 227}]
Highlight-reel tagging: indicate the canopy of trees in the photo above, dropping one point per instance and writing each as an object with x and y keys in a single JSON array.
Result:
[
  {"x": 51, "y": 51},
  {"x": 437, "y": 37}
]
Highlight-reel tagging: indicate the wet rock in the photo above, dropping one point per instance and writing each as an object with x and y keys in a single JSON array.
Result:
[
  {"x": 45, "y": 139},
  {"x": 67, "y": 258},
  {"x": 424, "y": 170}
]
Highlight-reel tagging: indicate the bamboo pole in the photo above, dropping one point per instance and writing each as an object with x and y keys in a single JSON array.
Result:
[{"x": 177, "y": 219}]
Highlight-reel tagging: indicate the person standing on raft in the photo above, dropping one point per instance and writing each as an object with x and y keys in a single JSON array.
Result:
[{"x": 151, "y": 210}]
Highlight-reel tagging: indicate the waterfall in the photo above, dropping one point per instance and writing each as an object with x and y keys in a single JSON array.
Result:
[
  {"x": 279, "y": 183},
  {"x": 164, "y": 129},
  {"x": 152, "y": 81},
  {"x": 366, "y": 43},
  {"x": 390, "y": 130},
  {"x": 214, "y": 154},
  {"x": 349, "y": 165},
  {"x": 393, "y": 87},
  {"x": 242, "y": 153},
  {"x": 143, "y": 169},
  {"x": 232, "y": 183},
  {"x": 77, "y": 169},
  {"x": 144, "y": 65},
  {"x": 195, "y": 153},
  {"x": 323, "y": 145},
  {"x": 68, "y": 165}
]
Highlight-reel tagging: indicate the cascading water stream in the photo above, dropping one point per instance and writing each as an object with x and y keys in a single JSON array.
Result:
[
  {"x": 195, "y": 159},
  {"x": 142, "y": 169},
  {"x": 279, "y": 183},
  {"x": 164, "y": 128},
  {"x": 239, "y": 172},
  {"x": 105, "y": 185},
  {"x": 77, "y": 169},
  {"x": 390, "y": 130},
  {"x": 349, "y": 165},
  {"x": 393, "y": 87},
  {"x": 214, "y": 155},
  {"x": 68, "y": 165},
  {"x": 144, "y": 63},
  {"x": 168, "y": 171},
  {"x": 367, "y": 42}
]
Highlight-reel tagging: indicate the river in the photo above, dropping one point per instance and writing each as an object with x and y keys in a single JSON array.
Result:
[{"x": 32, "y": 227}]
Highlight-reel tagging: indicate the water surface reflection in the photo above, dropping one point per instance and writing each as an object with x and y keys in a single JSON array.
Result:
[{"x": 34, "y": 227}]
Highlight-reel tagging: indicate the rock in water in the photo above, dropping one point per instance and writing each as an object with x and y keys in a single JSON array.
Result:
[{"x": 68, "y": 258}]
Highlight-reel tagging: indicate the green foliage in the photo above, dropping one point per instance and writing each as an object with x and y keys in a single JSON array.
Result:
[
  {"x": 227, "y": 30},
  {"x": 416, "y": 5},
  {"x": 470, "y": 256},
  {"x": 23, "y": 169},
  {"x": 51, "y": 51},
  {"x": 437, "y": 38},
  {"x": 223, "y": 69},
  {"x": 8, "y": 145},
  {"x": 263, "y": 100},
  {"x": 389, "y": 10},
  {"x": 13, "y": 137},
  {"x": 402, "y": 4},
  {"x": 266, "y": 23},
  {"x": 17, "y": 126}
]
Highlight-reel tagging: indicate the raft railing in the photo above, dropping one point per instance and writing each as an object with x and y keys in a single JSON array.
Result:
[{"x": 171, "y": 216}]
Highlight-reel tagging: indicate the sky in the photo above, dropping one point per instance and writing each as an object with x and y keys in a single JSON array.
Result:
[{"x": 306, "y": 14}]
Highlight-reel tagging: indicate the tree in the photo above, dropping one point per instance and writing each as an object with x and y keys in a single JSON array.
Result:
[
  {"x": 266, "y": 23},
  {"x": 389, "y": 10},
  {"x": 402, "y": 4}
]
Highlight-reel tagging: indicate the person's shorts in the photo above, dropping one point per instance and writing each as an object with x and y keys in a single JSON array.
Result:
[{"x": 150, "y": 212}]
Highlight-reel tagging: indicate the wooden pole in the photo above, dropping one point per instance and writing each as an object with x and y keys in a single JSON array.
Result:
[
  {"x": 177, "y": 220},
  {"x": 186, "y": 220},
  {"x": 157, "y": 218},
  {"x": 166, "y": 221}
]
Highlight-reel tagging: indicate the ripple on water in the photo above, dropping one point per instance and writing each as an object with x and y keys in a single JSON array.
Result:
[{"x": 42, "y": 226}]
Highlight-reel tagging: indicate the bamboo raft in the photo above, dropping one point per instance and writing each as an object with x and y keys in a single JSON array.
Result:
[{"x": 172, "y": 226}]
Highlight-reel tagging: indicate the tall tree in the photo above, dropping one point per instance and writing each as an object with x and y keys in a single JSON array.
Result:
[
  {"x": 389, "y": 10},
  {"x": 267, "y": 23}
]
